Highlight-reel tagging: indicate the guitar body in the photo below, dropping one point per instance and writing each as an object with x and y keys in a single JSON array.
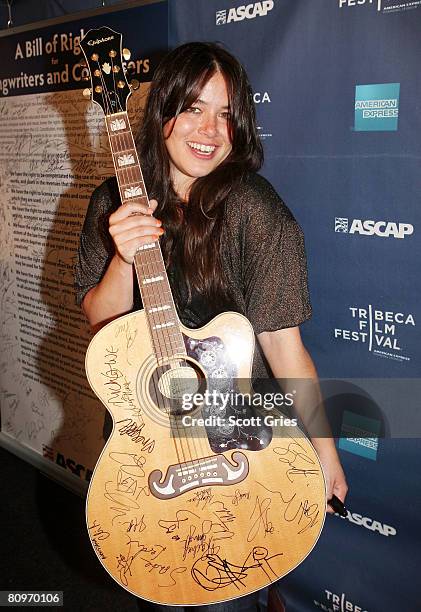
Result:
[{"x": 173, "y": 517}]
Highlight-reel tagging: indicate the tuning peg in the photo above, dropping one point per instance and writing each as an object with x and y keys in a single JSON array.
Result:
[
  {"x": 127, "y": 54},
  {"x": 134, "y": 84},
  {"x": 87, "y": 92}
]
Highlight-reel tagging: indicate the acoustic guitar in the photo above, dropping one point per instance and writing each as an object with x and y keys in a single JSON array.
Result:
[{"x": 191, "y": 501}]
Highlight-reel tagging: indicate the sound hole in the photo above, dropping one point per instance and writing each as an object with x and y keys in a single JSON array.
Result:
[{"x": 174, "y": 383}]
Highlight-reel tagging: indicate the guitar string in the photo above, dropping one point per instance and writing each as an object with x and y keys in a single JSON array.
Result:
[
  {"x": 187, "y": 453},
  {"x": 105, "y": 97},
  {"x": 188, "y": 434},
  {"x": 147, "y": 263},
  {"x": 143, "y": 265},
  {"x": 129, "y": 134},
  {"x": 156, "y": 265}
]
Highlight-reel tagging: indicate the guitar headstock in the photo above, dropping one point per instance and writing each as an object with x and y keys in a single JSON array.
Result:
[{"x": 103, "y": 52}]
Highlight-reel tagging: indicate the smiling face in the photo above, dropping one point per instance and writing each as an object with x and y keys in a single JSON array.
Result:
[{"x": 198, "y": 139}]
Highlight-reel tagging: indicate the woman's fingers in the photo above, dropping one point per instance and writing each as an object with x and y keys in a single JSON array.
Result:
[
  {"x": 131, "y": 208},
  {"x": 137, "y": 232},
  {"x": 133, "y": 222},
  {"x": 132, "y": 225}
]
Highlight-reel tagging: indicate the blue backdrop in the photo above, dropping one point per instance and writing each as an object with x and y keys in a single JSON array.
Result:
[
  {"x": 337, "y": 88},
  {"x": 342, "y": 155}
]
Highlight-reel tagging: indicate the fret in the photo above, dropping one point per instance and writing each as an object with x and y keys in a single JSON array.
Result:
[
  {"x": 152, "y": 279},
  {"x": 153, "y": 270},
  {"x": 163, "y": 292},
  {"x": 152, "y": 257},
  {"x": 122, "y": 139},
  {"x": 161, "y": 317},
  {"x": 152, "y": 304},
  {"x": 137, "y": 200},
  {"x": 159, "y": 308},
  {"x": 163, "y": 325},
  {"x": 131, "y": 184},
  {"x": 167, "y": 333},
  {"x": 156, "y": 300},
  {"x": 174, "y": 340},
  {"x": 171, "y": 350},
  {"x": 173, "y": 336},
  {"x": 130, "y": 175},
  {"x": 126, "y": 151}
]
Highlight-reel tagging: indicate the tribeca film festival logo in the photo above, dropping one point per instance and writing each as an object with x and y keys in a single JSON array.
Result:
[
  {"x": 382, "y": 6},
  {"x": 378, "y": 330},
  {"x": 249, "y": 11},
  {"x": 262, "y": 97},
  {"x": 338, "y": 603},
  {"x": 377, "y": 107},
  {"x": 368, "y": 227}
]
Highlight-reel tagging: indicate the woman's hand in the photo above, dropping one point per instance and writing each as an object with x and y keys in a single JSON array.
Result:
[
  {"x": 334, "y": 474},
  {"x": 133, "y": 225}
]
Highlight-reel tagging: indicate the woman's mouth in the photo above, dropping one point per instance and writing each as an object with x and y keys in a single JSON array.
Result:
[{"x": 201, "y": 150}]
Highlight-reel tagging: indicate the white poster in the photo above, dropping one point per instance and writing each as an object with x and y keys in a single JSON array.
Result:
[{"x": 53, "y": 152}]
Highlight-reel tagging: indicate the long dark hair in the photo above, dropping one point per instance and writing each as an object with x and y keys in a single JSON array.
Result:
[{"x": 192, "y": 232}]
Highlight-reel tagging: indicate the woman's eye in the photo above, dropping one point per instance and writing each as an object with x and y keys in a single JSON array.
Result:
[
  {"x": 225, "y": 115},
  {"x": 193, "y": 109}
]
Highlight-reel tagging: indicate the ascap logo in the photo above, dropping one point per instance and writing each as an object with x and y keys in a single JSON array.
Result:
[
  {"x": 338, "y": 603},
  {"x": 261, "y": 97},
  {"x": 369, "y": 523},
  {"x": 383, "y": 229},
  {"x": 378, "y": 330},
  {"x": 98, "y": 41},
  {"x": 246, "y": 11}
]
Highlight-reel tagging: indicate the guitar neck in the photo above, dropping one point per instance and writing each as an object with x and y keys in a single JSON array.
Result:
[{"x": 151, "y": 274}]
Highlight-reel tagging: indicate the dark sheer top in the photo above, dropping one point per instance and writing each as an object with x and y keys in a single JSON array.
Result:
[{"x": 262, "y": 253}]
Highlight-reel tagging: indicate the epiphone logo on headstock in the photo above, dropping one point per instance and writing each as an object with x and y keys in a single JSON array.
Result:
[{"x": 99, "y": 40}]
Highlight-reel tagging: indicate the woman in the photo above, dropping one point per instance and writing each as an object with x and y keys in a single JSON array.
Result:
[{"x": 228, "y": 241}]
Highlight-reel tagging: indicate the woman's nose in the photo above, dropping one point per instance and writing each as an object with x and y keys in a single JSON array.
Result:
[{"x": 209, "y": 125}]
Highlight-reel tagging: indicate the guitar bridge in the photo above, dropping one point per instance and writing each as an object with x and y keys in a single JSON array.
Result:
[{"x": 215, "y": 470}]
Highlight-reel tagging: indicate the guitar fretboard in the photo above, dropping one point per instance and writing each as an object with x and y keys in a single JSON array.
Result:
[{"x": 149, "y": 264}]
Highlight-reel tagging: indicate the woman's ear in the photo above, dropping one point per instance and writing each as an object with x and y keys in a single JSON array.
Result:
[{"x": 168, "y": 127}]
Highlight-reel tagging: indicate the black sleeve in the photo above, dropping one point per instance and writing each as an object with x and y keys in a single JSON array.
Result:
[
  {"x": 96, "y": 247},
  {"x": 274, "y": 271}
]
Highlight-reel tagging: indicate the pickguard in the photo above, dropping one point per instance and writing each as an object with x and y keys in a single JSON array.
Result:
[{"x": 213, "y": 356}]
